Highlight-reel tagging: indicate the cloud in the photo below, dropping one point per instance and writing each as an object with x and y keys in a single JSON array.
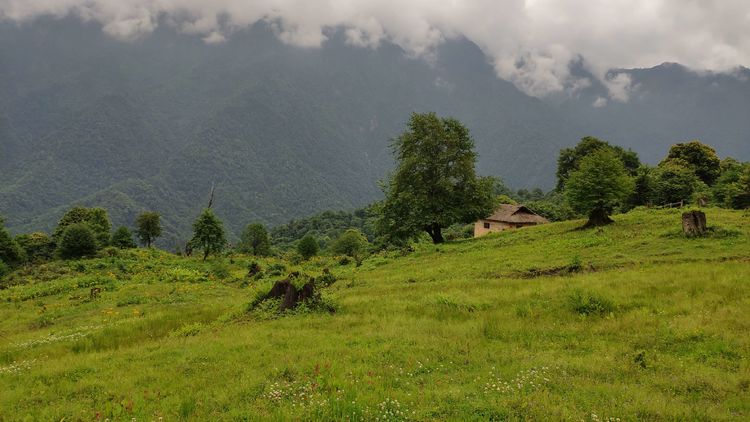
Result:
[{"x": 529, "y": 42}]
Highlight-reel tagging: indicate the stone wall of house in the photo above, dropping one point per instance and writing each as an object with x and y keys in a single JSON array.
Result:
[{"x": 480, "y": 228}]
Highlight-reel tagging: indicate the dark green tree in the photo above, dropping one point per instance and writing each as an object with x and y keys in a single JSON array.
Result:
[
  {"x": 600, "y": 185},
  {"x": 697, "y": 156},
  {"x": 148, "y": 227},
  {"x": 644, "y": 187},
  {"x": 351, "y": 243},
  {"x": 77, "y": 241},
  {"x": 10, "y": 252},
  {"x": 38, "y": 246},
  {"x": 123, "y": 238},
  {"x": 673, "y": 182},
  {"x": 570, "y": 158},
  {"x": 435, "y": 184},
  {"x": 96, "y": 218},
  {"x": 308, "y": 246},
  {"x": 254, "y": 240},
  {"x": 208, "y": 234}
]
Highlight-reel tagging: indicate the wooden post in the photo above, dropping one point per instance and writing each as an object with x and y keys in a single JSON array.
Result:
[{"x": 694, "y": 223}]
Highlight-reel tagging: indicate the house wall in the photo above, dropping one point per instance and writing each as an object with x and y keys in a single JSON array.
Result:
[{"x": 496, "y": 226}]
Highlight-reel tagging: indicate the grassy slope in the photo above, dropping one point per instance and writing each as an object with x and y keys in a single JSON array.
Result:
[{"x": 471, "y": 330}]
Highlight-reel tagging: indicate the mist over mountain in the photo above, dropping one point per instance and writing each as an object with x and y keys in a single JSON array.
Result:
[{"x": 285, "y": 132}]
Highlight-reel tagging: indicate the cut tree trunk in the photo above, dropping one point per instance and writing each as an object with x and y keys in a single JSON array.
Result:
[
  {"x": 694, "y": 223},
  {"x": 598, "y": 217}
]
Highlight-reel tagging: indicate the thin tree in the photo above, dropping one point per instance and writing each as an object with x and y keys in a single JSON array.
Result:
[
  {"x": 208, "y": 234},
  {"x": 148, "y": 227}
]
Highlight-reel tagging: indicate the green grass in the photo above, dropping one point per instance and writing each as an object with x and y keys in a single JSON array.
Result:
[{"x": 632, "y": 321}]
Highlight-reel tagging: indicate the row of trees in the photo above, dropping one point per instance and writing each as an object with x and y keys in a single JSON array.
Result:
[{"x": 434, "y": 186}]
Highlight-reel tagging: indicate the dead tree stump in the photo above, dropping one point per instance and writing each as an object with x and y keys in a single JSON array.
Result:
[
  {"x": 694, "y": 223},
  {"x": 290, "y": 296}
]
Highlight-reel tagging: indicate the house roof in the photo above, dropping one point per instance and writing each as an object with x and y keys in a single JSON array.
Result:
[{"x": 507, "y": 213}]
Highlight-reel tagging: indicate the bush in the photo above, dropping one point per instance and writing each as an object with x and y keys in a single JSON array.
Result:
[
  {"x": 590, "y": 304},
  {"x": 308, "y": 247},
  {"x": 10, "y": 252},
  {"x": 351, "y": 243},
  {"x": 77, "y": 241}
]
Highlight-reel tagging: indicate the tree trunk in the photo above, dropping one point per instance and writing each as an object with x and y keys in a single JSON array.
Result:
[
  {"x": 435, "y": 232},
  {"x": 598, "y": 217},
  {"x": 694, "y": 223},
  {"x": 205, "y": 253}
]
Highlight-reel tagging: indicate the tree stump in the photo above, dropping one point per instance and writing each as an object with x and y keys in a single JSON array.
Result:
[
  {"x": 694, "y": 223},
  {"x": 290, "y": 296}
]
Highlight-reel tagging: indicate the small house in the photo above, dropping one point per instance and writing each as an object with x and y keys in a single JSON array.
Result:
[{"x": 507, "y": 217}]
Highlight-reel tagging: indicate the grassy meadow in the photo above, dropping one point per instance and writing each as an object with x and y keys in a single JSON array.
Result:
[{"x": 629, "y": 322}]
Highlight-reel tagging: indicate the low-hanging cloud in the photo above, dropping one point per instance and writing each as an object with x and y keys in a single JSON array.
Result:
[{"x": 529, "y": 42}]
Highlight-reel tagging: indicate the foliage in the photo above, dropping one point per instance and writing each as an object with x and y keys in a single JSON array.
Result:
[
  {"x": 254, "y": 240},
  {"x": 77, "y": 241},
  {"x": 351, "y": 243},
  {"x": 599, "y": 186},
  {"x": 325, "y": 226},
  {"x": 434, "y": 184},
  {"x": 38, "y": 246},
  {"x": 553, "y": 207},
  {"x": 732, "y": 188},
  {"x": 123, "y": 238},
  {"x": 10, "y": 252},
  {"x": 96, "y": 218},
  {"x": 308, "y": 246},
  {"x": 673, "y": 182},
  {"x": 570, "y": 158},
  {"x": 698, "y": 157},
  {"x": 208, "y": 234},
  {"x": 148, "y": 227}
]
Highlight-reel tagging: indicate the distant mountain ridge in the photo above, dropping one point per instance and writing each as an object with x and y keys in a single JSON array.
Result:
[{"x": 285, "y": 132}]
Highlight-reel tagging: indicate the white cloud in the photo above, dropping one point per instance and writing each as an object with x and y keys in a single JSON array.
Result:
[{"x": 531, "y": 43}]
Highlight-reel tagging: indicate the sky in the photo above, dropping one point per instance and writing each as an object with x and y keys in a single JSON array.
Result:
[{"x": 530, "y": 43}]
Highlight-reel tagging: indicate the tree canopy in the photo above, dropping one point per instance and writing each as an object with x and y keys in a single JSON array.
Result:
[
  {"x": 308, "y": 246},
  {"x": 570, "y": 158},
  {"x": 351, "y": 243},
  {"x": 254, "y": 240},
  {"x": 208, "y": 234},
  {"x": 148, "y": 227},
  {"x": 77, "y": 241},
  {"x": 698, "y": 157},
  {"x": 96, "y": 218},
  {"x": 10, "y": 252},
  {"x": 435, "y": 183},
  {"x": 599, "y": 185},
  {"x": 123, "y": 238}
]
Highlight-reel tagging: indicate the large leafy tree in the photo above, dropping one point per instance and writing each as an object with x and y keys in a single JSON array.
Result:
[
  {"x": 352, "y": 243},
  {"x": 255, "y": 240},
  {"x": 123, "y": 238},
  {"x": 208, "y": 234},
  {"x": 674, "y": 182},
  {"x": 96, "y": 218},
  {"x": 570, "y": 158},
  {"x": 10, "y": 252},
  {"x": 148, "y": 227},
  {"x": 697, "y": 156},
  {"x": 77, "y": 241},
  {"x": 308, "y": 246},
  {"x": 599, "y": 185},
  {"x": 435, "y": 183},
  {"x": 38, "y": 246}
]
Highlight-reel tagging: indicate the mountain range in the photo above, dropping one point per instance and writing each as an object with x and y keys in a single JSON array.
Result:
[{"x": 284, "y": 132}]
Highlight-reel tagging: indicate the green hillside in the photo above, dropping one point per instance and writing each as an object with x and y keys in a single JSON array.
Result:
[{"x": 628, "y": 322}]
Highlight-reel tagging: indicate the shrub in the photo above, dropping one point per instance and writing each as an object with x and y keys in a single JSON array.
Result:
[
  {"x": 10, "y": 252},
  {"x": 254, "y": 240},
  {"x": 590, "y": 304},
  {"x": 275, "y": 270},
  {"x": 308, "y": 246},
  {"x": 351, "y": 243},
  {"x": 77, "y": 241}
]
